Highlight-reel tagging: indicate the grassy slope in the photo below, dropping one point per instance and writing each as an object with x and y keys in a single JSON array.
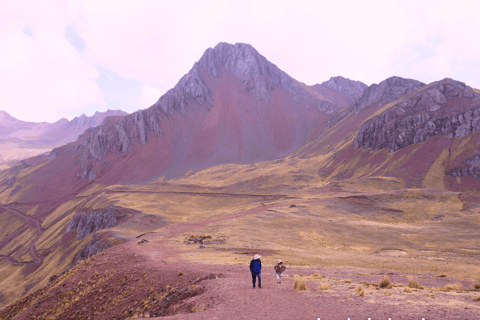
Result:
[{"x": 352, "y": 209}]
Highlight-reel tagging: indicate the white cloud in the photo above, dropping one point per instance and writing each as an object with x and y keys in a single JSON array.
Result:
[
  {"x": 154, "y": 43},
  {"x": 42, "y": 75},
  {"x": 148, "y": 97}
]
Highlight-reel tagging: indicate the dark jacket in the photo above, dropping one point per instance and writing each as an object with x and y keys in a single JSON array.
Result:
[
  {"x": 279, "y": 268},
  {"x": 256, "y": 266}
]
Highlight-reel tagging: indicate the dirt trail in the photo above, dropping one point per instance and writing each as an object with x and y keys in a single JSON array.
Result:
[
  {"x": 209, "y": 194},
  {"x": 36, "y": 223},
  {"x": 232, "y": 297}
]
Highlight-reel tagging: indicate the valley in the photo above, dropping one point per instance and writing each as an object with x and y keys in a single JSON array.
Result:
[{"x": 159, "y": 212}]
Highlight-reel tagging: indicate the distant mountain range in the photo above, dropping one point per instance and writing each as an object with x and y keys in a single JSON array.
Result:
[{"x": 20, "y": 139}]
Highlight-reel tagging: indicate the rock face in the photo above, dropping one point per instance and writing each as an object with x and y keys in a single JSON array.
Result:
[
  {"x": 386, "y": 91},
  {"x": 446, "y": 107},
  {"x": 341, "y": 91},
  {"x": 95, "y": 246},
  {"x": 379, "y": 95},
  {"x": 471, "y": 168},
  {"x": 267, "y": 97},
  {"x": 86, "y": 223},
  {"x": 93, "y": 121}
]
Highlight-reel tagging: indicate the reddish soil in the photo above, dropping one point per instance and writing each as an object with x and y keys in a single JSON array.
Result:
[{"x": 137, "y": 279}]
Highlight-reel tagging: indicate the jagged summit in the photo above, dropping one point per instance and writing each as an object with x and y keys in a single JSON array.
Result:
[
  {"x": 341, "y": 91},
  {"x": 386, "y": 91},
  {"x": 256, "y": 74}
]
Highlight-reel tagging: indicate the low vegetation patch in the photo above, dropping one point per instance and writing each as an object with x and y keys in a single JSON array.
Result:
[
  {"x": 413, "y": 283},
  {"x": 197, "y": 238},
  {"x": 476, "y": 286},
  {"x": 323, "y": 286},
  {"x": 359, "y": 291},
  {"x": 385, "y": 283},
  {"x": 299, "y": 284},
  {"x": 455, "y": 286}
]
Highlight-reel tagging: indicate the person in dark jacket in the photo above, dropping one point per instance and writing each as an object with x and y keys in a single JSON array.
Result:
[{"x": 256, "y": 269}]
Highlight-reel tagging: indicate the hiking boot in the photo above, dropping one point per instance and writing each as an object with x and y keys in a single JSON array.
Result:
[
  {"x": 253, "y": 286},
  {"x": 259, "y": 287}
]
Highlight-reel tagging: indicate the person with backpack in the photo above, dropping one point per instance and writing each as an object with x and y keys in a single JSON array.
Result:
[
  {"x": 256, "y": 269},
  {"x": 279, "y": 269}
]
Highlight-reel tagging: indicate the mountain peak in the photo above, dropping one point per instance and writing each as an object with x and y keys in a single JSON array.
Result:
[
  {"x": 5, "y": 117},
  {"x": 386, "y": 91}
]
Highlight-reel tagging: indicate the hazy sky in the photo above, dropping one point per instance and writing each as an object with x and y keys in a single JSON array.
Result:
[{"x": 64, "y": 58}]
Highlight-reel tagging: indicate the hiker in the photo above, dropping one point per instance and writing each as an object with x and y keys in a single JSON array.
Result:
[
  {"x": 279, "y": 268},
  {"x": 256, "y": 269}
]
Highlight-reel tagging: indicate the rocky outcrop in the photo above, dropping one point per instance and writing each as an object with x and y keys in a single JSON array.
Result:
[
  {"x": 445, "y": 107},
  {"x": 471, "y": 168},
  {"x": 257, "y": 75},
  {"x": 341, "y": 91},
  {"x": 380, "y": 94},
  {"x": 94, "y": 120},
  {"x": 87, "y": 222},
  {"x": 385, "y": 92},
  {"x": 95, "y": 246}
]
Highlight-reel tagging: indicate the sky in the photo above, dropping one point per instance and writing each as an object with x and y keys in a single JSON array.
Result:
[{"x": 61, "y": 59}]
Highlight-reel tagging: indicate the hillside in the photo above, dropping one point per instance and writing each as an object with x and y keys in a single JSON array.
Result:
[
  {"x": 21, "y": 140},
  {"x": 237, "y": 159}
]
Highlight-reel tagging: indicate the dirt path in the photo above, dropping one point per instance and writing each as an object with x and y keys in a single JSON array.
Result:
[
  {"x": 232, "y": 297},
  {"x": 209, "y": 194},
  {"x": 36, "y": 223}
]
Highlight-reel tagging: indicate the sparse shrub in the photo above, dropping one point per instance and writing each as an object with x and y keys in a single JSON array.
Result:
[
  {"x": 198, "y": 309},
  {"x": 456, "y": 286},
  {"x": 442, "y": 275},
  {"x": 476, "y": 298},
  {"x": 384, "y": 283},
  {"x": 180, "y": 273},
  {"x": 299, "y": 284},
  {"x": 409, "y": 290},
  {"x": 413, "y": 283},
  {"x": 323, "y": 286},
  {"x": 359, "y": 291},
  {"x": 476, "y": 286}
]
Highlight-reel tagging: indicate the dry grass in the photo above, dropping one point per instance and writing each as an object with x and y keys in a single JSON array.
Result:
[
  {"x": 299, "y": 284},
  {"x": 476, "y": 285},
  {"x": 385, "y": 283},
  {"x": 409, "y": 290},
  {"x": 323, "y": 286},
  {"x": 197, "y": 309},
  {"x": 413, "y": 283},
  {"x": 456, "y": 286},
  {"x": 476, "y": 298},
  {"x": 359, "y": 291}
]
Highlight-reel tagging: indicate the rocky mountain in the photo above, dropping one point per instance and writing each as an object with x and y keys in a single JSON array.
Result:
[
  {"x": 233, "y": 106},
  {"x": 21, "y": 139},
  {"x": 430, "y": 134},
  {"x": 446, "y": 107},
  {"x": 341, "y": 91}
]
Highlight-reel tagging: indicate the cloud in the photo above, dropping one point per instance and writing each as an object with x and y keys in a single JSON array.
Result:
[
  {"x": 149, "y": 96},
  {"x": 43, "y": 76},
  {"x": 55, "y": 55}
]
